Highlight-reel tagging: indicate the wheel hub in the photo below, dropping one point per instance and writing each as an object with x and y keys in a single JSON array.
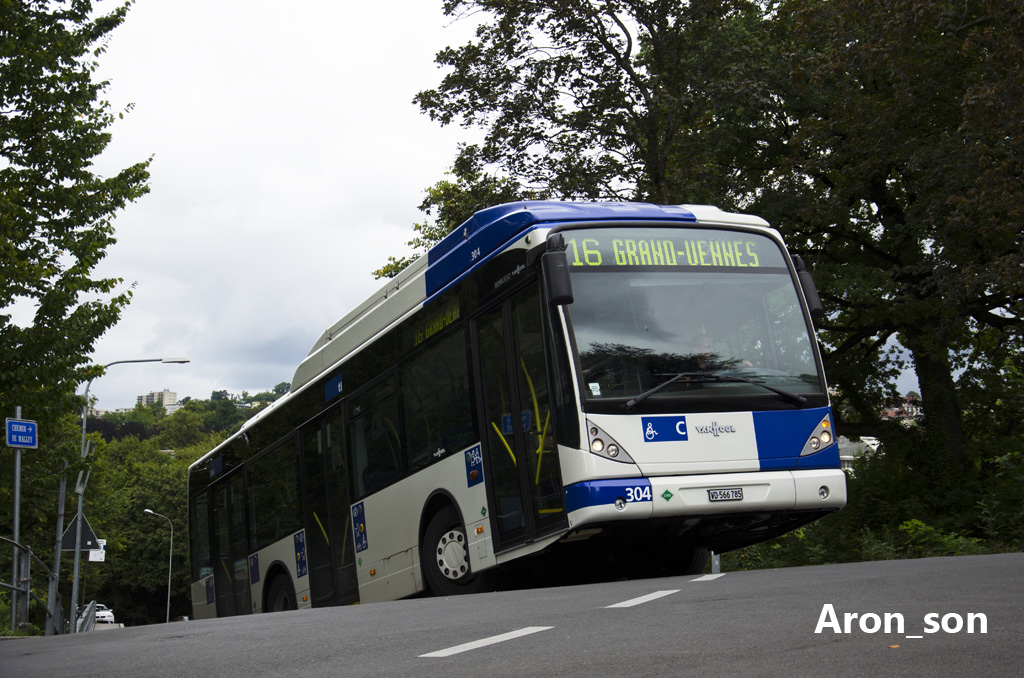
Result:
[{"x": 451, "y": 555}]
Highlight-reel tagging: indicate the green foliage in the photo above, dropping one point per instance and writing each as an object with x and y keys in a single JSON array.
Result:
[
  {"x": 894, "y": 513},
  {"x": 590, "y": 100},
  {"x": 899, "y": 239},
  {"x": 216, "y": 415},
  {"x": 924, "y": 541},
  {"x": 1002, "y": 508},
  {"x": 128, "y": 477},
  {"x": 129, "y": 473},
  {"x": 55, "y": 213},
  {"x": 55, "y": 227}
]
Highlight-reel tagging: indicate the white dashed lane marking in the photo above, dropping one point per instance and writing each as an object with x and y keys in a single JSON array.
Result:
[
  {"x": 484, "y": 642},
  {"x": 512, "y": 635},
  {"x": 709, "y": 577},
  {"x": 644, "y": 599}
]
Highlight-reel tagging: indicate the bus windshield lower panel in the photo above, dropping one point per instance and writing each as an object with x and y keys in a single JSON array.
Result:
[{"x": 640, "y": 321}]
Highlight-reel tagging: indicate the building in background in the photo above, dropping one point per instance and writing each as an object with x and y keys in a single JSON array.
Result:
[{"x": 169, "y": 400}]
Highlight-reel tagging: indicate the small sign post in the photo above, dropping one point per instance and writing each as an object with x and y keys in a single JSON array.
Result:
[{"x": 22, "y": 433}]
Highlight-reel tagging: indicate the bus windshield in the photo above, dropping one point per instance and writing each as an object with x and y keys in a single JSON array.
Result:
[{"x": 711, "y": 310}]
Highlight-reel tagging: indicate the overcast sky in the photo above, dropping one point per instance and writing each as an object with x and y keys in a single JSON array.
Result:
[{"x": 288, "y": 162}]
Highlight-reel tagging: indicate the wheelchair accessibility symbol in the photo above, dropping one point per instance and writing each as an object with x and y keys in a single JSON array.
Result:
[{"x": 664, "y": 429}]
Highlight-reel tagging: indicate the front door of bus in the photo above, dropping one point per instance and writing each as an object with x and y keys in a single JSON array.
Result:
[{"x": 523, "y": 474}]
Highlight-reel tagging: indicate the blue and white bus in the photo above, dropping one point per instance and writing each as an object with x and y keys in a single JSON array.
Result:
[{"x": 616, "y": 382}]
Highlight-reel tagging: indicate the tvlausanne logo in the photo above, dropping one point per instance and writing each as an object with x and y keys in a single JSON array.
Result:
[{"x": 715, "y": 429}]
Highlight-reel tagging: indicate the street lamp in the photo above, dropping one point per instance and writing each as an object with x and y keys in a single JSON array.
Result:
[
  {"x": 169, "y": 556},
  {"x": 80, "y": 488}
]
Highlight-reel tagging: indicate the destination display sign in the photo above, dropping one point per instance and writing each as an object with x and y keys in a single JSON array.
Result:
[{"x": 660, "y": 247}]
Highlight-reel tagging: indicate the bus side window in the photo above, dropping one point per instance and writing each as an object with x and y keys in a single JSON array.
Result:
[
  {"x": 374, "y": 438},
  {"x": 274, "y": 502},
  {"x": 199, "y": 519},
  {"x": 437, "y": 401}
]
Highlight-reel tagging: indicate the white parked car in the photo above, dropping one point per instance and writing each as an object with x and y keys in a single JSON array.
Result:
[{"x": 104, "y": 614}]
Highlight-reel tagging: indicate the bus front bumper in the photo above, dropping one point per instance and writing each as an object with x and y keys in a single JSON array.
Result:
[{"x": 609, "y": 500}]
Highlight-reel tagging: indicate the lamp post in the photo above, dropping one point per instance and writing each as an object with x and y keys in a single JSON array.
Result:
[
  {"x": 80, "y": 487},
  {"x": 170, "y": 555}
]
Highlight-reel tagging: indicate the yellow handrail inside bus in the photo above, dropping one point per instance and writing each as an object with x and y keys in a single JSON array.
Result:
[
  {"x": 533, "y": 392},
  {"x": 540, "y": 448},
  {"x": 394, "y": 431},
  {"x": 505, "y": 443},
  {"x": 317, "y": 519},
  {"x": 536, "y": 413}
]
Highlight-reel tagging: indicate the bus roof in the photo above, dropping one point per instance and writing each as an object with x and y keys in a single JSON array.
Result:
[{"x": 491, "y": 228}]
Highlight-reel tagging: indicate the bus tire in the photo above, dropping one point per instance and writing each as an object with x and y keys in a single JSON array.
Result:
[
  {"x": 281, "y": 596},
  {"x": 444, "y": 556},
  {"x": 695, "y": 559}
]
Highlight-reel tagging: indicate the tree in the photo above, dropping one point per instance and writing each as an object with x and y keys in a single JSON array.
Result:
[
  {"x": 588, "y": 98},
  {"x": 130, "y": 476},
  {"x": 55, "y": 227},
  {"x": 55, "y": 212},
  {"x": 897, "y": 170}
]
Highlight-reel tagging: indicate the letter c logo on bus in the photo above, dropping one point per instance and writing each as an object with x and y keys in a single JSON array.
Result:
[{"x": 664, "y": 429}]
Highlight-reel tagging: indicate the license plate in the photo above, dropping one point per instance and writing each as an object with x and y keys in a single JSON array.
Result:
[{"x": 730, "y": 494}]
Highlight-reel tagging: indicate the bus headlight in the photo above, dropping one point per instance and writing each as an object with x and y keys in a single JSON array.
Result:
[
  {"x": 820, "y": 438},
  {"x": 605, "y": 446}
]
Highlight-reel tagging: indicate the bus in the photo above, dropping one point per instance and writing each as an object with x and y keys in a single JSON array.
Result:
[{"x": 553, "y": 384}]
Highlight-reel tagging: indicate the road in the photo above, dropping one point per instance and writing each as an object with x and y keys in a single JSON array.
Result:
[{"x": 786, "y": 623}]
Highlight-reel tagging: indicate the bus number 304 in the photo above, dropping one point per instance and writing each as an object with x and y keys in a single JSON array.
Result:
[{"x": 640, "y": 493}]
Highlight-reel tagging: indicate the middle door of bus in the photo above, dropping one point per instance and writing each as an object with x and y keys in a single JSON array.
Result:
[
  {"x": 524, "y": 482},
  {"x": 331, "y": 551}
]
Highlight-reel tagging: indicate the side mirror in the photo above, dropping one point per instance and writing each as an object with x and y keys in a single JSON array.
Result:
[
  {"x": 555, "y": 270},
  {"x": 810, "y": 289}
]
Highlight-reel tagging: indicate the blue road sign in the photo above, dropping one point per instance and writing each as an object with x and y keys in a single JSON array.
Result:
[{"x": 21, "y": 433}]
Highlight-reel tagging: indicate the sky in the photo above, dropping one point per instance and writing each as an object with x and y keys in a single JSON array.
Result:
[{"x": 288, "y": 161}]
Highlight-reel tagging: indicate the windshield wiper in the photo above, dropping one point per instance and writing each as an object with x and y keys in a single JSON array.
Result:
[{"x": 709, "y": 377}]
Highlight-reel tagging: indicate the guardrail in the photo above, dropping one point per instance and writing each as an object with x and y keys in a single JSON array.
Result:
[
  {"x": 87, "y": 622},
  {"x": 54, "y": 610}
]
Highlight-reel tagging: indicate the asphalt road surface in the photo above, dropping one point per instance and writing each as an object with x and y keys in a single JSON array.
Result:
[{"x": 934, "y": 617}]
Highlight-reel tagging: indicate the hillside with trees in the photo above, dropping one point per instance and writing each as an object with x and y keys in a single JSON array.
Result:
[{"x": 140, "y": 461}]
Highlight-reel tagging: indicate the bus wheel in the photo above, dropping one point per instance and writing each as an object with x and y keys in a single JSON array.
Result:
[
  {"x": 445, "y": 556},
  {"x": 695, "y": 560},
  {"x": 281, "y": 596}
]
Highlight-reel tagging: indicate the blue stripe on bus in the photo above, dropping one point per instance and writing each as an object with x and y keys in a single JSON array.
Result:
[
  {"x": 603, "y": 492},
  {"x": 827, "y": 458},
  {"x": 487, "y": 230},
  {"x": 783, "y": 433}
]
